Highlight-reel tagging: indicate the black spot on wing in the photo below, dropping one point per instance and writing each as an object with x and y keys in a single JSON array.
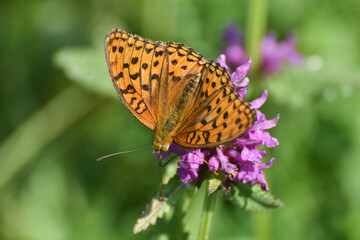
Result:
[
  {"x": 190, "y": 136},
  {"x": 206, "y": 135},
  {"x": 128, "y": 90}
]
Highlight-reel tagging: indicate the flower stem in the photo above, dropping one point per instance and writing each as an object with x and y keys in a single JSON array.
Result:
[
  {"x": 256, "y": 25},
  {"x": 206, "y": 215}
]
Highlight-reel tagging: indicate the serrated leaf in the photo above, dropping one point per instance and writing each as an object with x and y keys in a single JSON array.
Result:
[
  {"x": 253, "y": 198},
  {"x": 154, "y": 210},
  {"x": 157, "y": 208}
]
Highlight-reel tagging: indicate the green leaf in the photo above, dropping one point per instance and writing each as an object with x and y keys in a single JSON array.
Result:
[
  {"x": 87, "y": 67},
  {"x": 215, "y": 181},
  {"x": 253, "y": 198},
  {"x": 214, "y": 184},
  {"x": 154, "y": 210},
  {"x": 170, "y": 170},
  {"x": 157, "y": 208}
]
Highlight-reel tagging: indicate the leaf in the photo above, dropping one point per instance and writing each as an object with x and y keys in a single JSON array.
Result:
[
  {"x": 87, "y": 67},
  {"x": 215, "y": 181},
  {"x": 157, "y": 208},
  {"x": 214, "y": 184},
  {"x": 253, "y": 198},
  {"x": 154, "y": 210},
  {"x": 173, "y": 222}
]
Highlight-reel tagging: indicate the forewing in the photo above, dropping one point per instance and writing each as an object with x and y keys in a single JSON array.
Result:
[
  {"x": 130, "y": 60},
  {"x": 183, "y": 65}
]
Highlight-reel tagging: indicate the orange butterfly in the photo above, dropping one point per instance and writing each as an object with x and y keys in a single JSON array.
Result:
[{"x": 176, "y": 92}]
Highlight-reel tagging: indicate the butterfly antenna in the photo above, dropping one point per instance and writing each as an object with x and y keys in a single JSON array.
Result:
[
  {"x": 160, "y": 175},
  {"x": 117, "y": 153}
]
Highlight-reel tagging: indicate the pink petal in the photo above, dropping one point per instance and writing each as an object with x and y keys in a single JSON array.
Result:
[
  {"x": 222, "y": 61},
  {"x": 240, "y": 72},
  {"x": 235, "y": 54},
  {"x": 214, "y": 163},
  {"x": 257, "y": 103},
  {"x": 224, "y": 160}
]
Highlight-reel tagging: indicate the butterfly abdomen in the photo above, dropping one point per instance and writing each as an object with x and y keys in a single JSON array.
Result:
[{"x": 178, "y": 110}]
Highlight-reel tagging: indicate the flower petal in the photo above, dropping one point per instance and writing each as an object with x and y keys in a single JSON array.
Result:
[
  {"x": 224, "y": 160},
  {"x": 261, "y": 176},
  {"x": 265, "y": 137},
  {"x": 235, "y": 54},
  {"x": 213, "y": 163},
  {"x": 222, "y": 61},
  {"x": 267, "y": 124},
  {"x": 257, "y": 103},
  {"x": 254, "y": 155},
  {"x": 248, "y": 171},
  {"x": 240, "y": 72}
]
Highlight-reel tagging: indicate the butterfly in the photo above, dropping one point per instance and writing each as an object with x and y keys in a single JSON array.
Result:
[{"x": 176, "y": 92}]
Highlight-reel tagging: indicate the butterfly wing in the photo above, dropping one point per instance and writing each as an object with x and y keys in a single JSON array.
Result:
[
  {"x": 183, "y": 65},
  {"x": 135, "y": 67},
  {"x": 219, "y": 115}
]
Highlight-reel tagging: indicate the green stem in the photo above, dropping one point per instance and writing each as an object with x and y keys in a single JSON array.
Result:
[
  {"x": 256, "y": 26},
  {"x": 206, "y": 215},
  {"x": 261, "y": 222}
]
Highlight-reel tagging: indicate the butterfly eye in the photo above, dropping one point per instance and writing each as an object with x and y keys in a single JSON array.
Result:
[{"x": 169, "y": 123}]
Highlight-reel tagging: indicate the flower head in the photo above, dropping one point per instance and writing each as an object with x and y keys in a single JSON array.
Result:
[
  {"x": 273, "y": 53},
  {"x": 239, "y": 160},
  {"x": 234, "y": 50}
]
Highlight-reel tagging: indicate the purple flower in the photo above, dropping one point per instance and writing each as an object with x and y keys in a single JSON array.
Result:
[
  {"x": 232, "y": 34},
  {"x": 273, "y": 53},
  {"x": 234, "y": 51},
  {"x": 190, "y": 163},
  {"x": 240, "y": 160}
]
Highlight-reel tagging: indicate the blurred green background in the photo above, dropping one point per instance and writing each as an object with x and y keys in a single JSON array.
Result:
[{"x": 59, "y": 112}]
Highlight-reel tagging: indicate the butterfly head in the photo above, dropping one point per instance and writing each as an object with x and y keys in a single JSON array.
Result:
[
  {"x": 159, "y": 148},
  {"x": 161, "y": 145}
]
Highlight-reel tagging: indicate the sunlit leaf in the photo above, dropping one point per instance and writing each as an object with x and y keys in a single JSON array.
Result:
[
  {"x": 154, "y": 210},
  {"x": 215, "y": 181},
  {"x": 87, "y": 67},
  {"x": 157, "y": 208},
  {"x": 213, "y": 185}
]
